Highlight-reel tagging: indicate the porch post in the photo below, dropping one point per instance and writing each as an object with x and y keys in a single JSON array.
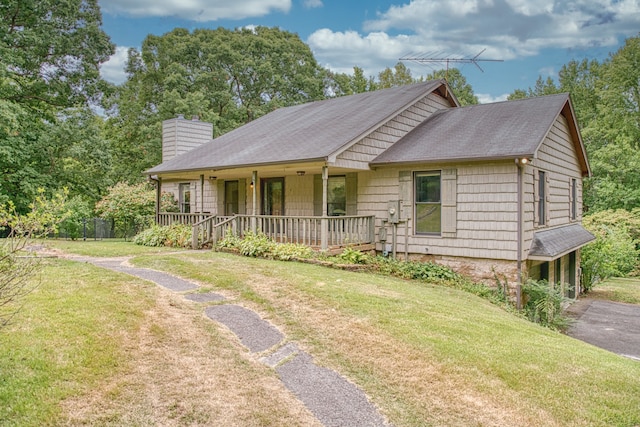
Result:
[
  {"x": 158, "y": 198},
  {"x": 324, "y": 222},
  {"x": 201, "y": 198},
  {"x": 254, "y": 188}
]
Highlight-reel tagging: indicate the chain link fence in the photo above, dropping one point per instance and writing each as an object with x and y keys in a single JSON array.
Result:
[{"x": 89, "y": 229}]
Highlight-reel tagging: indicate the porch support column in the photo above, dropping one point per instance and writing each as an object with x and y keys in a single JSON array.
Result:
[
  {"x": 254, "y": 188},
  {"x": 324, "y": 222},
  {"x": 202, "y": 197},
  {"x": 158, "y": 198}
]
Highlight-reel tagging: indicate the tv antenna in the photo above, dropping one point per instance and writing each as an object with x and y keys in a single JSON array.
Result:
[{"x": 435, "y": 58}]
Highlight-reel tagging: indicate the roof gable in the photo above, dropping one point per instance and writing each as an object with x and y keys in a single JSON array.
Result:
[
  {"x": 502, "y": 130},
  {"x": 307, "y": 132}
]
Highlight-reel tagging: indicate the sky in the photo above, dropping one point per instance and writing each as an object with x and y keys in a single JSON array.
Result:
[{"x": 516, "y": 40}]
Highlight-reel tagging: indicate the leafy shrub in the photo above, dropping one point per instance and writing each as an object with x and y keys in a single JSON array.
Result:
[
  {"x": 230, "y": 240},
  {"x": 614, "y": 253},
  {"x": 78, "y": 211},
  {"x": 416, "y": 270},
  {"x": 353, "y": 256},
  {"x": 168, "y": 202},
  {"x": 290, "y": 251},
  {"x": 255, "y": 245},
  {"x": 128, "y": 205},
  {"x": 176, "y": 235},
  {"x": 544, "y": 304}
]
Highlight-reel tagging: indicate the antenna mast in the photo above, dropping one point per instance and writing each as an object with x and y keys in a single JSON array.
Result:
[{"x": 433, "y": 58}]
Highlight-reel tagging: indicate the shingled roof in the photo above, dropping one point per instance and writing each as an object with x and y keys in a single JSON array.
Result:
[
  {"x": 550, "y": 244},
  {"x": 502, "y": 130},
  {"x": 302, "y": 133}
]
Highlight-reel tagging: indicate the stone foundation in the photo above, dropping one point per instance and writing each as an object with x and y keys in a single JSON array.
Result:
[{"x": 481, "y": 270}]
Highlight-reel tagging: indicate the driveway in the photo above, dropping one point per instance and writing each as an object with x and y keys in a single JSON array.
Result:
[{"x": 609, "y": 325}]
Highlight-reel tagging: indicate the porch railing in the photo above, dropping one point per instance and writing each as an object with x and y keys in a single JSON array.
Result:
[
  {"x": 169, "y": 218},
  {"x": 321, "y": 232}
]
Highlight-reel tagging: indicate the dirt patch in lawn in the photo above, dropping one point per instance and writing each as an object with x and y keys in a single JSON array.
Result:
[
  {"x": 425, "y": 390},
  {"x": 180, "y": 368}
]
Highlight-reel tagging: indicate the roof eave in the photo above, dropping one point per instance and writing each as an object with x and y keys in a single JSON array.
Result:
[
  {"x": 455, "y": 160},
  {"x": 551, "y": 257},
  {"x": 240, "y": 166}
]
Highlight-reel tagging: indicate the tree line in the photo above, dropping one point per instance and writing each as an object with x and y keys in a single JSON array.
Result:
[{"x": 61, "y": 125}]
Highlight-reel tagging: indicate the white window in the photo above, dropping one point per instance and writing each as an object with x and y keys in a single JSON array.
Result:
[
  {"x": 185, "y": 198},
  {"x": 428, "y": 203}
]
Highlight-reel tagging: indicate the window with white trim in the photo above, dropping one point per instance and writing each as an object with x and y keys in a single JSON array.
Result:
[
  {"x": 542, "y": 198},
  {"x": 574, "y": 199},
  {"x": 428, "y": 203},
  {"x": 185, "y": 197}
]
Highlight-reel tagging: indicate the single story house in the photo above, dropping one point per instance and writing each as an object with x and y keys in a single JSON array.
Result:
[{"x": 490, "y": 189}]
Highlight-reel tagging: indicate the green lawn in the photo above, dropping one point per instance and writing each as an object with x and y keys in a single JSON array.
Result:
[
  {"x": 618, "y": 289},
  {"x": 425, "y": 354}
]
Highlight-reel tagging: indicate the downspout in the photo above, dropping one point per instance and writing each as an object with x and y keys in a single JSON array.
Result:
[{"x": 520, "y": 165}]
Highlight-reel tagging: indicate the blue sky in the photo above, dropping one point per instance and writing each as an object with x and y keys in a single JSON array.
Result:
[{"x": 532, "y": 37}]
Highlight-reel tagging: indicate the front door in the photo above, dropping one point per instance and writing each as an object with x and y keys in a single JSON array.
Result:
[{"x": 273, "y": 196}]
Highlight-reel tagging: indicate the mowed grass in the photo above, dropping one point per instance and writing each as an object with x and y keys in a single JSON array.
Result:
[
  {"x": 625, "y": 290},
  {"x": 424, "y": 354},
  {"x": 95, "y": 347}
]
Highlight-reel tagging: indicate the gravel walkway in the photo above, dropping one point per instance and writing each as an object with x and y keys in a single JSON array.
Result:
[{"x": 330, "y": 397}]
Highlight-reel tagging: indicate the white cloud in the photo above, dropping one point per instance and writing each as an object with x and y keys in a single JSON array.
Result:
[
  {"x": 485, "y": 98},
  {"x": 313, "y": 4},
  {"x": 196, "y": 10},
  {"x": 514, "y": 28},
  {"x": 341, "y": 51},
  {"x": 548, "y": 72},
  {"x": 504, "y": 29},
  {"x": 113, "y": 70}
]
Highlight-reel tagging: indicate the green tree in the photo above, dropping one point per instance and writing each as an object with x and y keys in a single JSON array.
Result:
[
  {"x": 76, "y": 155},
  {"x": 340, "y": 84},
  {"x": 458, "y": 84},
  {"x": 542, "y": 87},
  {"x": 226, "y": 77},
  {"x": 400, "y": 75},
  {"x": 612, "y": 132},
  {"x": 78, "y": 211},
  {"x": 129, "y": 205},
  {"x": 581, "y": 79},
  {"x": 606, "y": 98},
  {"x": 50, "y": 53},
  {"x": 615, "y": 250}
]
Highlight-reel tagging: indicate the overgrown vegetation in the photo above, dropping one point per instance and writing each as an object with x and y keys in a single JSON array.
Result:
[
  {"x": 130, "y": 206},
  {"x": 544, "y": 304},
  {"x": 16, "y": 268},
  {"x": 174, "y": 236},
  {"x": 614, "y": 253}
]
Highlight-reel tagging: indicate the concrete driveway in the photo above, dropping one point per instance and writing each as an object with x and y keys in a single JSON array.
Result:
[{"x": 609, "y": 325}]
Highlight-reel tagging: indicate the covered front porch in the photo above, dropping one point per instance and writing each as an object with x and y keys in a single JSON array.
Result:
[
  {"x": 322, "y": 233},
  {"x": 301, "y": 204}
]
